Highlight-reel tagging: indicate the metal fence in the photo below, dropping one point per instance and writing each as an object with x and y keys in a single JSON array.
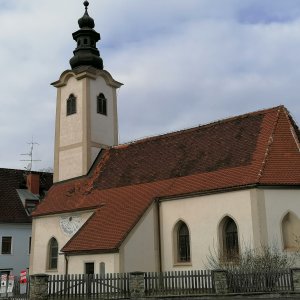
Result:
[
  {"x": 179, "y": 283},
  {"x": 268, "y": 281},
  {"x": 108, "y": 286}
]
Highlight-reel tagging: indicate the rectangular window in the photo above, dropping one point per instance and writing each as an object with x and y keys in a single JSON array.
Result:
[
  {"x": 6, "y": 245},
  {"x": 5, "y": 271},
  {"x": 89, "y": 268}
]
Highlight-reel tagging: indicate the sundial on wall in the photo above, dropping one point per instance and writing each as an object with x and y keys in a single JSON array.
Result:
[{"x": 70, "y": 224}]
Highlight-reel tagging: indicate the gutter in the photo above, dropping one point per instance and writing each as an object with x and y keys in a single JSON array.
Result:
[
  {"x": 207, "y": 192},
  {"x": 229, "y": 189}
]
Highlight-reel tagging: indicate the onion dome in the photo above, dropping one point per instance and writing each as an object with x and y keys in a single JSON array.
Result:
[
  {"x": 86, "y": 53},
  {"x": 86, "y": 20}
]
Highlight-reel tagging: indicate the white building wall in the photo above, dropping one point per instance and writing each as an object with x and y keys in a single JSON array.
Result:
[
  {"x": 202, "y": 214},
  {"x": 43, "y": 229},
  {"x": 140, "y": 250},
  {"x": 278, "y": 203},
  {"x": 71, "y": 127},
  {"x": 111, "y": 261},
  {"x": 70, "y": 163},
  {"x": 103, "y": 128}
]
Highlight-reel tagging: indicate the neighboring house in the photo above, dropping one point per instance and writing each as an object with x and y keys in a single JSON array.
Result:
[
  {"x": 20, "y": 193},
  {"x": 161, "y": 203}
]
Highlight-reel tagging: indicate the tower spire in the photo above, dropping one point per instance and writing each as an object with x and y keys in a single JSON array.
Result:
[{"x": 86, "y": 52}]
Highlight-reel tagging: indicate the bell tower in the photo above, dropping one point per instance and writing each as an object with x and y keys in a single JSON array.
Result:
[{"x": 86, "y": 106}]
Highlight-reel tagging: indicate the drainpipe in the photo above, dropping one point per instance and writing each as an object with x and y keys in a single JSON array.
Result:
[
  {"x": 67, "y": 263},
  {"x": 159, "y": 235}
]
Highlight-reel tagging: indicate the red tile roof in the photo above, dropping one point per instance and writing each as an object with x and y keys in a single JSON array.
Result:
[{"x": 252, "y": 149}]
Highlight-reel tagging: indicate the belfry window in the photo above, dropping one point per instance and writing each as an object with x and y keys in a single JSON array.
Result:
[
  {"x": 101, "y": 105},
  {"x": 183, "y": 247},
  {"x": 53, "y": 254},
  {"x": 71, "y": 105}
]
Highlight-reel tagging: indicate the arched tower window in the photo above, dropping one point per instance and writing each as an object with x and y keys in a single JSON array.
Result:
[
  {"x": 101, "y": 105},
  {"x": 71, "y": 105},
  {"x": 291, "y": 231},
  {"x": 229, "y": 238},
  {"x": 53, "y": 254},
  {"x": 183, "y": 242}
]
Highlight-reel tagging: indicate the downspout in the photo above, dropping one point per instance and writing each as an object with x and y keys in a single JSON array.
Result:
[
  {"x": 67, "y": 263},
  {"x": 159, "y": 235}
]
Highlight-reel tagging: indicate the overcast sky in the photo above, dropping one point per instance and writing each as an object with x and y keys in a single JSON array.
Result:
[{"x": 182, "y": 62}]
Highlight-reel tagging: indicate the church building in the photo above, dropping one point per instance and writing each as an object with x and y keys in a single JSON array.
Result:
[{"x": 159, "y": 203}]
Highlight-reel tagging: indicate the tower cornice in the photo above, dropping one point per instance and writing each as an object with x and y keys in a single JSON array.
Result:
[{"x": 88, "y": 72}]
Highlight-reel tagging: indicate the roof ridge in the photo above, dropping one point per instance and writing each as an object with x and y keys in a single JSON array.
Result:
[
  {"x": 294, "y": 128},
  {"x": 270, "y": 142},
  {"x": 24, "y": 171},
  {"x": 176, "y": 132},
  {"x": 10, "y": 169}
]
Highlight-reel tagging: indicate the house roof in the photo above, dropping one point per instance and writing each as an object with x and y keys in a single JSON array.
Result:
[
  {"x": 11, "y": 181},
  {"x": 252, "y": 149}
]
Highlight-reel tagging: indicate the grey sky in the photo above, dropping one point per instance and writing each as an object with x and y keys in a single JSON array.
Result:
[{"x": 183, "y": 63}]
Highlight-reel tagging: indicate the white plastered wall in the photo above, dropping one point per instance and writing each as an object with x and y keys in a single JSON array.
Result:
[
  {"x": 202, "y": 214},
  {"x": 43, "y": 229},
  {"x": 71, "y": 127},
  {"x": 70, "y": 163},
  {"x": 103, "y": 128},
  {"x": 94, "y": 153},
  {"x": 278, "y": 203},
  {"x": 70, "y": 133},
  {"x": 140, "y": 250},
  {"x": 77, "y": 263}
]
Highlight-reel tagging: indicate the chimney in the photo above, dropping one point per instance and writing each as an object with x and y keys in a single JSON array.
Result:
[{"x": 33, "y": 183}]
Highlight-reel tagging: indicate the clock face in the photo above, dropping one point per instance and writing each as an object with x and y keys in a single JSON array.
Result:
[{"x": 70, "y": 224}]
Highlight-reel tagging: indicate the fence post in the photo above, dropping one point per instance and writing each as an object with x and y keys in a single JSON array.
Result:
[
  {"x": 220, "y": 281},
  {"x": 296, "y": 279},
  {"x": 137, "y": 285},
  {"x": 39, "y": 287}
]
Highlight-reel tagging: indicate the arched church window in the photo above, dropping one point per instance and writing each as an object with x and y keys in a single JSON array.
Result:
[
  {"x": 53, "y": 254},
  {"x": 183, "y": 242},
  {"x": 71, "y": 105},
  {"x": 291, "y": 231},
  {"x": 101, "y": 105},
  {"x": 85, "y": 41},
  {"x": 230, "y": 239}
]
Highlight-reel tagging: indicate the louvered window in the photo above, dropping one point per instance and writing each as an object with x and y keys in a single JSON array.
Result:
[
  {"x": 101, "y": 105},
  {"x": 71, "y": 105}
]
